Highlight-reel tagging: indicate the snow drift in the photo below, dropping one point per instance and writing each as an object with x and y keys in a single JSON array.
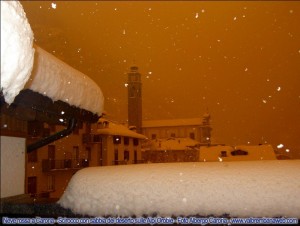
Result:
[{"x": 240, "y": 189}]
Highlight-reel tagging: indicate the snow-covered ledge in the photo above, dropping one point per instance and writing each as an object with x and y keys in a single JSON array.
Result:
[
  {"x": 238, "y": 189},
  {"x": 54, "y": 78}
]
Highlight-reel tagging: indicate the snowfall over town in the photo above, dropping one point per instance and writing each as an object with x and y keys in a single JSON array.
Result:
[{"x": 261, "y": 188}]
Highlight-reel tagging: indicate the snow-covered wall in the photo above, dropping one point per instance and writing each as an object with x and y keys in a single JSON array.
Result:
[
  {"x": 16, "y": 49},
  {"x": 59, "y": 81},
  {"x": 240, "y": 189}
]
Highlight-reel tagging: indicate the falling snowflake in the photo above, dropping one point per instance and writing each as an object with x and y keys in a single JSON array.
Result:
[
  {"x": 184, "y": 200},
  {"x": 234, "y": 18},
  {"x": 197, "y": 15},
  {"x": 53, "y": 5},
  {"x": 279, "y": 88},
  {"x": 280, "y": 146},
  {"x": 246, "y": 69},
  {"x": 264, "y": 101}
]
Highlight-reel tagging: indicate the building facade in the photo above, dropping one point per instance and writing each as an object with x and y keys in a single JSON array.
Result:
[
  {"x": 175, "y": 140},
  {"x": 49, "y": 168},
  {"x": 197, "y": 129}
]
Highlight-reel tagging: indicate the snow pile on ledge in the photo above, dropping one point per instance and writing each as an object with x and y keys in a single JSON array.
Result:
[
  {"x": 240, "y": 189},
  {"x": 59, "y": 81},
  {"x": 16, "y": 49}
]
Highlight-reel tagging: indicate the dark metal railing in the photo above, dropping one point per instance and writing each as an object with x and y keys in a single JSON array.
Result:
[{"x": 63, "y": 164}]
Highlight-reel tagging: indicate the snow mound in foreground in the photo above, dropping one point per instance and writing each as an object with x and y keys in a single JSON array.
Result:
[
  {"x": 241, "y": 189},
  {"x": 17, "y": 52}
]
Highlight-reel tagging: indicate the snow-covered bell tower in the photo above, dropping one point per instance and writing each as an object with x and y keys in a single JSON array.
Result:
[{"x": 135, "y": 99}]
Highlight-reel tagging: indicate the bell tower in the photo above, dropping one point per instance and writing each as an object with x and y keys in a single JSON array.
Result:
[{"x": 135, "y": 99}]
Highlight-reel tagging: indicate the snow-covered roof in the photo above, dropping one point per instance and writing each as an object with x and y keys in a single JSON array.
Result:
[
  {"x": 40, "y": 72},
  {"x": 238, "y": 189},
  {"x": 173, "y": 144},
  {"x": 172, "y": 122},
  {"x": 110, "y": 128},
  {"x": 17, "y": 52},
  {"x": 237, "y": 153},
  {"x": 59, "y": 81}
]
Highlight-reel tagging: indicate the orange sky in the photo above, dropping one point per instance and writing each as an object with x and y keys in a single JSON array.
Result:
[{"x": 238, "y": 60}]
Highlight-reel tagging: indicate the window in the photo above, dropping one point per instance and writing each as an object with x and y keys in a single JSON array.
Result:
[
  {"x": 239, "y": 152},
  {"x": 126, "y": 155},
  {"x": 135, "y": 142},
  {"x": 35, "y": 128},
  {"x": 89, "y": 152},
  {"x": 88, "y": 128},
  {"x": 76, "y": 152},
  {"x": 46, "y": 132},
  {"x": 51, "y": 183},
  {"x": 126, "y": 140},
  {"x": 97, "y": 138},
  {"x": 135, "y": 156},
  {"x": 117, "y": 140},
  {"x": 116, "y": 157},
  {"x": 192, "y": 136},
  {"x": 223, "y": 154},
  {"x": 32, "y": 156},
  {"x": 52, "y": 128}
]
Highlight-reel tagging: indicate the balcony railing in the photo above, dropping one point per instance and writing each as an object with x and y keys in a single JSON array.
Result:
[
  {"x": 63, "y": 164},
  {"x": 138, "y": 161},
  {"x": 119, "y": 162},
  {"x": 124, "y": 162}
]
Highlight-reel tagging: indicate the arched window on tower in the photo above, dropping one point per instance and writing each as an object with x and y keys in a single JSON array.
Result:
[{"x": 132, "y": 92}]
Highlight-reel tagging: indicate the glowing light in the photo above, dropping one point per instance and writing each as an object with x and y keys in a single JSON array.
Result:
[
  {"x": 280, "y": 146},
  {"x": 287, "y": 150}
]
